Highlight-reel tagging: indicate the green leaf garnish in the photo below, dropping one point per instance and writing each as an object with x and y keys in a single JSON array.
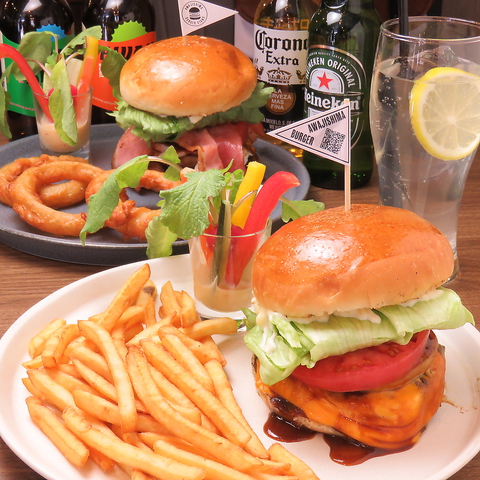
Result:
[
  {"x": 4, "y": 101},
  {"x": 112, "y": 65},
  {"x": 186, "y": 207},
  {"x": 102, "y": 203},
  {"x": 79, "y": 40},
  {"x": 160, "y": 239},
  {"x": 61, "y": 105},
  {"x": 293, "y": 209}
]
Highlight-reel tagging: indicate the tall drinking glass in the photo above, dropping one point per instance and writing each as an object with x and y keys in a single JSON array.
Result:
[{"x": 425, "y": 116}]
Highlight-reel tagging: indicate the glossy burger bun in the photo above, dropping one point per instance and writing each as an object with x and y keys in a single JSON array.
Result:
[
  {"x": 187, "y": 76},
  {"x": 333, "y": 260}
]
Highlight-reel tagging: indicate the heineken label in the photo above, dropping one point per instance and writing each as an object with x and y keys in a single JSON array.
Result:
[
  {"x": 333, "y": 75},
  {"x": 280, "y": 55}
]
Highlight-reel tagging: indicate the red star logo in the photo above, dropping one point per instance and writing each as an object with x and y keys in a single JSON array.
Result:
[{"x": 324, "y": 81}]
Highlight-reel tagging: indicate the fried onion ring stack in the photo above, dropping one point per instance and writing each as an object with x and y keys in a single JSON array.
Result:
[
  {"x": 56, "y": 196},
  {"x": 38, "y": 187}
]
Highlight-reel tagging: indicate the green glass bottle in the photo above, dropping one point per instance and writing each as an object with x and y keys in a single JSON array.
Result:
[{"x": 341, "y": 47}]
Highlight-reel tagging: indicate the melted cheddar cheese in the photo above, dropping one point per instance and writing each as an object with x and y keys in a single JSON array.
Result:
[{"x": 389, "y": 419}]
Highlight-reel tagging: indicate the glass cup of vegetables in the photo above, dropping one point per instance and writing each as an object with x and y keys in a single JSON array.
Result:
[
  {"x": 61, "y": 83},
  {"x": 73, "y": 136},
  {"x": 222, "y": 256},
  {"x": 222, "y": 268}
]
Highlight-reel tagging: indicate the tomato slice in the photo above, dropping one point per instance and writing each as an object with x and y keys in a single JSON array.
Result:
[{"x": 366, "y": 368}]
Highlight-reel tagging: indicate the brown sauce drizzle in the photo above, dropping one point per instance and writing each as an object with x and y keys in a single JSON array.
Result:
[
  {"x": 344, "y": 451},
  {"x": 281, "y": 430},
  {"x": 348, "y": 452}
]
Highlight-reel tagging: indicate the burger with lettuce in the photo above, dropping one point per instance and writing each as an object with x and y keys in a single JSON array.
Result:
[
  {"x": 345, "y": 308},
  {"x": 197, "y": 93}
]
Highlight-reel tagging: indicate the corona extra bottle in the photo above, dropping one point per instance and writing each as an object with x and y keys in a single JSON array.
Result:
[
  {"x": 341, "y": 47},
  {"x": 17, "y": 18},
  {"x": 280, "y": 54},
  {"x": 127, "y": 25}
]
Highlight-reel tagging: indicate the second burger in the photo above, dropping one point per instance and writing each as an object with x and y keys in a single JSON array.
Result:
[{"x": 197, "y": 93}]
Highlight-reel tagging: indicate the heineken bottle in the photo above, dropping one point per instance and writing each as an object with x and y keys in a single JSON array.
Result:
[{"x": 341, "y": 47}]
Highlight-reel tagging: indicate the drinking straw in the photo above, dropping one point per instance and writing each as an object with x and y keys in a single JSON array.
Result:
[
  {"x": 404, "y": 31},
  {"x": 403, "y": 17}
]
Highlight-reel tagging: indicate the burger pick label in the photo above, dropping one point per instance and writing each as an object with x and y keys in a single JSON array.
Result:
[
  {"x": 326, "y": 134},
  {"x": 198, "y": 14}
]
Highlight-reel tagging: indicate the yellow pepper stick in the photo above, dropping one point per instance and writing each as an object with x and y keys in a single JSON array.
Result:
[
  {"x": 251, "y": 183},
  {"x": 89, "y": 64}
]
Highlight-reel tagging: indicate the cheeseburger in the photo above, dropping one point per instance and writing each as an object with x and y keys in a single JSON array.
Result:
[
  {"x": 196, "y": 93},
  {"x": 345, "y": 307}
]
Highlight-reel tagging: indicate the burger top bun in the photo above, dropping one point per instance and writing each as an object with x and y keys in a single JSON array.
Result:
[
  {"x": 187, "y": 76},
  {"x": 334, "y": 260}
]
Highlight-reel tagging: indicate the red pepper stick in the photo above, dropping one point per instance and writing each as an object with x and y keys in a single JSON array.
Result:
[
  {"x": 265, "y": 201},
  {"x": 7, "y": 51}
]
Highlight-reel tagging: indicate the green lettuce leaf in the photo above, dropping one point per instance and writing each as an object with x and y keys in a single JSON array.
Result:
[
  {"x": 4, "y": 102},
  {"x": 156, "y": 128},
  {"x": 111, "y": 67},
  {"x": 282, "y": 344}
]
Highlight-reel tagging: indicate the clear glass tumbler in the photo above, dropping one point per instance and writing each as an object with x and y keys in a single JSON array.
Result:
[
  {"x": 50, "y": 141},
  {"x": 222, "y": 267},
  {"x": 425, "y": 116}
]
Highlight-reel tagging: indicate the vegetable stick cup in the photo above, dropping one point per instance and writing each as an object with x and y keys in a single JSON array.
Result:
[
  {"x": 221, "y": 276},
  {"x": 77, "y": 127}
]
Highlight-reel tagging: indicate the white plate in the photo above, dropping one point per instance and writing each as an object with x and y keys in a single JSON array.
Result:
[{"x": 450, "y": 441}]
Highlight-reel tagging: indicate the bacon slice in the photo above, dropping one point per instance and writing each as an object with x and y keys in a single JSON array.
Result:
[
  {"x": 231, "y": 138},
  {"x": 129, "y": 146},
  {"x": 204, "y": 144},
  {"x": 215, "y": 146}
]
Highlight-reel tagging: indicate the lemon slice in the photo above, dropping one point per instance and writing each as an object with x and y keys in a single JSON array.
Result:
[{"x": 445, "y": 112}]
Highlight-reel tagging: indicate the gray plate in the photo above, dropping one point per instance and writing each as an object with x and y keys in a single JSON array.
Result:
[{"x": 107, "y": 247}]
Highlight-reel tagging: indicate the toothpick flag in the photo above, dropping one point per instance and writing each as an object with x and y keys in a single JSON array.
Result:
[
  {"x": 198, "y": 14},
  {"x": 326, "y": 134}
]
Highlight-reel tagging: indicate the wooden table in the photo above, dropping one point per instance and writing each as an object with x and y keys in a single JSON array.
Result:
[{"x": 26, "y": 279}]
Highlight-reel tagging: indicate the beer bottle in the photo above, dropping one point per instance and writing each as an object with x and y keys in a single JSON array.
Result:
[
  {"x": 127, "y": 25},
  {"x": 280, "y": 53},
  {"x": 18, "y": 17},
  {"x": 341, "y": 48}
]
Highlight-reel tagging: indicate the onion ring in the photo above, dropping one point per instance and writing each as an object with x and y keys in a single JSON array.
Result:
[
  {"x": 137, "y": 223},
  {"x": 55, "y": 196},
  {"x": 27, "y": 203},
  {"x": 130, "y": 220}
]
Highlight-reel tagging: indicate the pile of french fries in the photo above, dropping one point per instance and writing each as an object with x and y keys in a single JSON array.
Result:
[{"x": 142, "y": 387}]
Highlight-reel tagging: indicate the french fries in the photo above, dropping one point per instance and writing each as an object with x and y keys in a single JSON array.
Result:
[
  {"x": 144, "y": 388},
  {"x": 53, "y": 427}
]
